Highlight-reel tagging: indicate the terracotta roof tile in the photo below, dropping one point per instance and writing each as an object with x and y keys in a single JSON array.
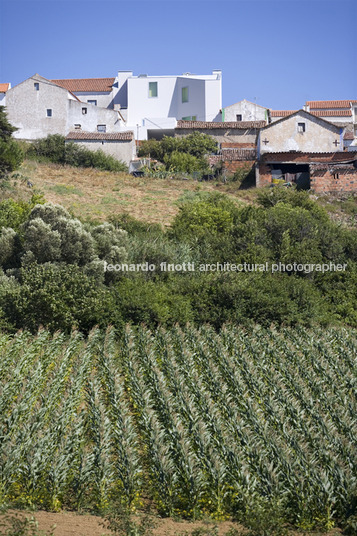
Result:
[
  {"x": 80, "y": 85},
  {"x": 330, "y": 104},
  {"x": 4, "y": 88},
  {"x": 331, "y": 113},
  {"x": 239, "y": 154},
  {"x": 81, "y": 135},
  {"x": 341, "y": 157},
  {"x": 237, "y": 145},
  {"x": 212, "y": 124},
  {"x": 281, "y": 113}
]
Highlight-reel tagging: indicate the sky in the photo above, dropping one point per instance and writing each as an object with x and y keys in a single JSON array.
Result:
[{"x": 277, "y": 53}]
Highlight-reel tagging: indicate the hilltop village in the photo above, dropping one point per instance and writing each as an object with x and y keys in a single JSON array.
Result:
[{"x": 314, "y": 147}]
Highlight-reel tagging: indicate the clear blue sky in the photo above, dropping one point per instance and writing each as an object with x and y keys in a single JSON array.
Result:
[{"x": 280, "y": 53}]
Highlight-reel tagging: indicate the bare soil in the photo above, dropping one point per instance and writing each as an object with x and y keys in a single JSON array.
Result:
[{"x": 74, "y": 524}]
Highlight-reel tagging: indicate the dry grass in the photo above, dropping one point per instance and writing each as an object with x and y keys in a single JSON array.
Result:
[{"x": 93, "y": 194}]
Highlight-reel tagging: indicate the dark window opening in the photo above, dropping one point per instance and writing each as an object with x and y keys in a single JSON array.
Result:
[
  {"x": 49, "y": 112},
  {"x": 36, "y": 86},
  {"x": 84, "y": 111},
  {"x": 301, "y": 127},
  {"x": 92, "y": 102},
  {"x": 101, "y": 128},
  {"x": 336, "y": 176},
  {"x": 77, "y": 126},
  {"x": 239, "y": 117}
]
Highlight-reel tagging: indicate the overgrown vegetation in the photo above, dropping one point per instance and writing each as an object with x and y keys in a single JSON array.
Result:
[
  {"x": 55, "y": 149},
  {"x": 182, "y": 154},
  {"x": 11, "y": 155},
  {"x": 54, "y": 267}
]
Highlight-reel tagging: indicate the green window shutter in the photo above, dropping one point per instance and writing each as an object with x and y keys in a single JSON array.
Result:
[{"x": 185, "y": 94}]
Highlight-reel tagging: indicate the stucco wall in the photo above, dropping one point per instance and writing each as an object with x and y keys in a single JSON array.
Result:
[
  {"x": 221, "y": 135},
  {"x": 27, "y": 110},
  {"x": 103, "y": 99},
  {"x": 248, "y": 110},
  {"x": 122, "y": 150},
  {"x": 284, "y": 136},
  {"x": 95, "y": 116},
  {"x": 204, "y": 98}
]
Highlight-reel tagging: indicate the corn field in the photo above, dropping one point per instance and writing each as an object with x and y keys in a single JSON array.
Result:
[{"x": 190, "y": 420}]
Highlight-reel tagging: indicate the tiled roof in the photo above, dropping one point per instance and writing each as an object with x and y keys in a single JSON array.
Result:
[
  {"x": 340, "y": 157},
  {"x": 80, "y": 85},
  {"x": 281, "y": 113},
  {"x": 4, "y": 88},
  {"x": 348, "y": 135},
  {"x": 331, "y": 113},
  {"x": 329, "y": 105},
  {"x": 81, "y": 135},
  {"x": 239, "y": 154},
  {"x": 237, "y": 145},
  {"x": 212, "y": 124}
]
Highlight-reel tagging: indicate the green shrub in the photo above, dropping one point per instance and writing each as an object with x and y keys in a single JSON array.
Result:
[{"x": 55, "y": 149}]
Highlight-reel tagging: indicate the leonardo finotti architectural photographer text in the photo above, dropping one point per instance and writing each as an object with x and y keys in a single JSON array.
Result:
[{"x": 227, "y": 267}]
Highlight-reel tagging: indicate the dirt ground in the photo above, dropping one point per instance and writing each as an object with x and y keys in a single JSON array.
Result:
[{"x": 73, "y": 524}]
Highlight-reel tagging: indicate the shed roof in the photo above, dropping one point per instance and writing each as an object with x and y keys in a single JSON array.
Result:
[
  {"x": 115, "y": 136},
  {"x": 341, "y": 157}
]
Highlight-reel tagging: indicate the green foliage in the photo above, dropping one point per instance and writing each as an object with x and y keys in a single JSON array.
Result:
[
  {"x": 212, "y": 213},
  {"x": 59, "y": 297},
  {"x": 120, "y": 521},
  {"x": 11, "y": 154},
  {"x": 55, "y": 149},
  {"x": 182, "y": 154},
  {"x": 245, "y": 424},
  {"x": 185, "y": 163}
]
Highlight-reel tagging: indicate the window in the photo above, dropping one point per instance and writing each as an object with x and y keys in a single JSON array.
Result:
[
  {"x": 101, "y": 128},
  {"x": 152, "y": 89},
  {"x": 239, "y": 117},
  {"x": 92, "y": 102},
  {"x": 301, "y": 127},
  {"x": 84, "y": 111},
  {"x": 77, "y": 126},
  {"x": 190, "y": 118},
  {"x": 184, "y": 94},
  {"x": 336, "y": 176},
  {"x": 36, "y": 86},
  {"x": 49, "y": 112}
]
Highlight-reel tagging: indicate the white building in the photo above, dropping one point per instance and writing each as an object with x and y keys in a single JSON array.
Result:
[
  {"x": 38, "y": 107},
  {"x": 245, "y": 110},
  {"x": 151, "y": 105}
]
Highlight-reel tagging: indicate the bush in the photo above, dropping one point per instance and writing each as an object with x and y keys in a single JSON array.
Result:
[
  {"x": 183, "y": 154},
  {"x": 55, "y": 149},
  {"x": 59, "y": 297},
  {"x": 11, "y": 154},
  {"x": 208, "y": 214}
]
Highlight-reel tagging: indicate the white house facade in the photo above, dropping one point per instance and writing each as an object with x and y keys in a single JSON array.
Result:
[
  {"x": 38, "y": 107},
  {"x": 301, "y": 131},
  {"x": 245, "y": 110},
  {"x": 151, "y": 105}
]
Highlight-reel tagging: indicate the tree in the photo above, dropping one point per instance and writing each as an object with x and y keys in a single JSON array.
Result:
[{"x": 11, "y": 155}]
